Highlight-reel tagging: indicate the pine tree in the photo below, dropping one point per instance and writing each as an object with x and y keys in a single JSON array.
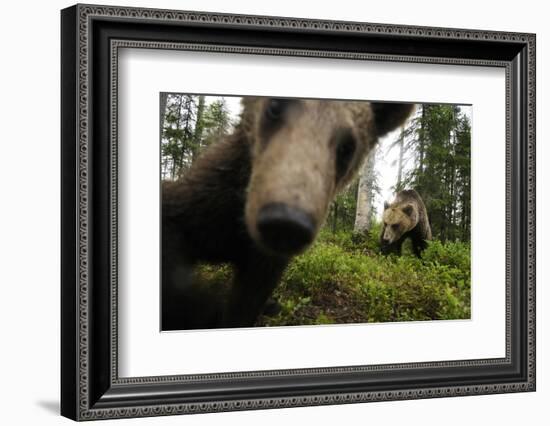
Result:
[
  {"x": 188, "y": 124},
  {"x": 441, "y": 143}
]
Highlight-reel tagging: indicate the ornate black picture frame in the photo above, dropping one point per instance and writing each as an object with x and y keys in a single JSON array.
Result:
[{"x": 90, "y": 385}]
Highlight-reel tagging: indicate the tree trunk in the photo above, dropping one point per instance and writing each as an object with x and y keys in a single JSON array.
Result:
[
  {"x": 163, "y": 102},
  {"x": 176, "y": 158},
  {"x": 422, "y": 139},
  {"x": 365, "y": 196},
  {"x": 453, "y": 205},
  {"x": 463, "y": 218},
  {"x": 199, "y": 126},
  {"x": 334, "y": 216},
  {"x": 162, "y": 116},
  {"x": 400, "y": 165}
]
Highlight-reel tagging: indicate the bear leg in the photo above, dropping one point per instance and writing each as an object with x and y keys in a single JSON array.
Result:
[
  {"x": 185, "y": 303},
  {"x": 419, "y": 245},
  {"x": 254, "y": 283},
  {"x": 394, "y": 248}
]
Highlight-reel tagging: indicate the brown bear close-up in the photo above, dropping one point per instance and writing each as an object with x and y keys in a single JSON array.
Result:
[{"x": 257, "y": 198}]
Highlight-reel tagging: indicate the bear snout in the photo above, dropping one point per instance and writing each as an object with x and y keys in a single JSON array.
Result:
[{"x": 284, "y": 229}]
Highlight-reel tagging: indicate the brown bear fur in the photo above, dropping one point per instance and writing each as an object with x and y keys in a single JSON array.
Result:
[
  {"x": 289, "y": 156},
  {"x": 406, "y": 217}
]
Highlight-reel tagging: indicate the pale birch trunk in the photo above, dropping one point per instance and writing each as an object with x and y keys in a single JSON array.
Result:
[
  {"x": 400, "y": 165},
  {"x": 365, "y": 197},
  {"x": 163, "y": 102},
  {"x": 162, "y": 116}
]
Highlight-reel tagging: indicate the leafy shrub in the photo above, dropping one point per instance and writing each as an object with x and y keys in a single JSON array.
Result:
[
  {"x": 343, "y": 284},
  {"x": 342, "y": 278}
]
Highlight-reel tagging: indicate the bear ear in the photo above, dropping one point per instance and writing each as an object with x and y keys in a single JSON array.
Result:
[
  {"x": 386, "y": 205},
  {"x": 389, "y": 116},
  {"x": 408, "y": 210}
]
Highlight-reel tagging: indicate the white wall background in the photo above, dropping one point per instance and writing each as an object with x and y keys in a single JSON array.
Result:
[{"x": 29, "y": 212}]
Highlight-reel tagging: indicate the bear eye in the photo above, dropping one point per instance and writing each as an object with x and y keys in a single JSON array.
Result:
[
  {"x": 345, "y": 149},
  {"x": 395, "y": 226},
  {"x": 273, "y": 116},
  {"x": 275, "y": 108}
]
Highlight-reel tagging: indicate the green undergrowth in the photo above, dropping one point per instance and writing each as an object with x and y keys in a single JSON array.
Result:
[{"x": 343, "y": 278}]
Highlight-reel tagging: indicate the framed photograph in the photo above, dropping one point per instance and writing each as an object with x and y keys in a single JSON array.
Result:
[{"x": 263, "y": 212}]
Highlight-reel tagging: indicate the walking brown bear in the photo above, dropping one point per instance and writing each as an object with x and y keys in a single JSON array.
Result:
[
  {"x": 257, "y": 198},
  {"x": 406, "y": 217}
]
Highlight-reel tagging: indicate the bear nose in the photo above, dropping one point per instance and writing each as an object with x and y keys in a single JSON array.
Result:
[{"x": 284, "y": 229}]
